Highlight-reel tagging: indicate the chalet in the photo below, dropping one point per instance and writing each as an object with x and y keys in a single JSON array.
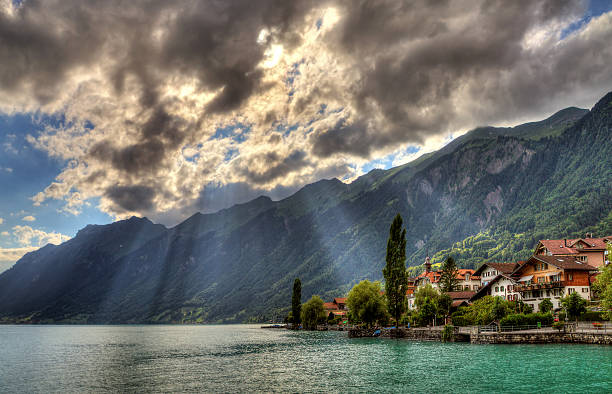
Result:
[
  {"x": 552, "y": 277},
  {"x": 591, "y": 251},
  {"x": 502, "y": 285},
  {"x": 489, "y": 271}
]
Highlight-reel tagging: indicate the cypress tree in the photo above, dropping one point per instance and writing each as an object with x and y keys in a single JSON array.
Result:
[
  {"x": 296, "y": 303},
  {"x": 448, "y": 277},
  {"x": 396, "y": 279}
]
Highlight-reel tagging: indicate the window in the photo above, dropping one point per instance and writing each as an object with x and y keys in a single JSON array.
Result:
[
  {"x": 569, "y": 277},
  {"x": 501, "y": 288},
  {"x": 467, "y": 276},
  {"x": 585, "y": 289},
  {"x": 496, "y": 289},
  {"x": 582, "y": 258},
  {"x": 570, "y": 291}
]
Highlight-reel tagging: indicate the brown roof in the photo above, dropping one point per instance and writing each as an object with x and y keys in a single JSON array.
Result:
[
  {"x": 569, "y": 246},
  {"x": 504, "y": 268},
  {"x": 340, "y": 300},
  {"x": 457, "y": 303},
  {"x": 565, "y": 262},
  {"x": 461, "y": 295}
]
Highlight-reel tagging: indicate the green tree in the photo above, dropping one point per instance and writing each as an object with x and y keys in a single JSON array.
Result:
[
  {"x": 394, "y": 272},
  {"x": 366, "y": 303},
  {"x": 603, "y": 286},
  {"x": 313, "y": 313},
  {"x": 499, "y": 309},
  {"x": 444, "y": 305},
  {"x": 423, "y": 292},
  {"x": 296, "y": 303},
  {"x": 448, "y": 277},
  {"x": 545, "y": 306},
  {"x": 427, "y": 311},
  {"x": 574, "y": 304}
]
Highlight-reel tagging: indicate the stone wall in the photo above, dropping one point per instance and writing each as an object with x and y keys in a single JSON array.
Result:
[
  {"x": 548, "y": 337},
  {"x": 414, "y": 334}
]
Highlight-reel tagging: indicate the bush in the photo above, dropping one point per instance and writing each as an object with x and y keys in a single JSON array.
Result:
[
  {"x": 558, "y": 325},
  {"x": 592, "y": 316},
  {"x": 531, "y": 319},
  {"x": 460, "y": 321},
  {"x": 448, "y": 333}
]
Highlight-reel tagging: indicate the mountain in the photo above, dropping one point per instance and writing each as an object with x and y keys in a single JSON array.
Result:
[{"x": 488, "y": 195}]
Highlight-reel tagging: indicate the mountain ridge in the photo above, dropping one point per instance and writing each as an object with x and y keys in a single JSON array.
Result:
[{"x": 238, "y": 264}]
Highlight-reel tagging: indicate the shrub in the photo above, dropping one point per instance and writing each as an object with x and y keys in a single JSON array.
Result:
[
  {"x": 448, "y": 333},
  {"x": 558, "y": 325},
  {"x": 531, "y": 319}
]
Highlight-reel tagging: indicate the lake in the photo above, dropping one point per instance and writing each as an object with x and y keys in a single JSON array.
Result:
[{"x": 245, "y": 358}]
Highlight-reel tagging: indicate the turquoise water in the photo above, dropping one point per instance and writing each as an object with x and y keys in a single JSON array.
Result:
[{"x": 243, "y": 358}]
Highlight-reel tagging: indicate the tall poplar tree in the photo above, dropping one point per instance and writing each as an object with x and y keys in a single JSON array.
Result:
[
  {"x": 448, "y": 277},
  {"x": 396, "y": 279},
  {"x": 296, "y": 303}
]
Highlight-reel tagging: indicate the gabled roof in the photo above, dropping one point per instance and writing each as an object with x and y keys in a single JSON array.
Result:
[
  {"x": 483, "y": 290},
  {"x": 569, "y": 246},
  {"x": 329, "y": 306},
  {"x": 504, "y": 268},
  {"x": 340, "y": 300},
  {"x": 461, "y": 295},
  {"x": 563, "y": 262}
]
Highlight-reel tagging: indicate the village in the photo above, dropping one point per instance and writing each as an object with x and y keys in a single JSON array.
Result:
[{"x": 557, "y": 269}]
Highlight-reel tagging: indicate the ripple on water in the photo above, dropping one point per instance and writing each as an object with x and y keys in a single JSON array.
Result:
[{"x": 246, "y": 358}]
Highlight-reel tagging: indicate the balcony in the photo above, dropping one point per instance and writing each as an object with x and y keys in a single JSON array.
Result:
[{"x": 539, "y": 286}]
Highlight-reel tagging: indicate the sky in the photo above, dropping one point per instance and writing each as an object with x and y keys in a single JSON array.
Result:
[{"x": 161, "y": 109}]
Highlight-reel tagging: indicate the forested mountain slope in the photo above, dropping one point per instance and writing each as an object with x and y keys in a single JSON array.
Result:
[{"x": 489, "y": 195}]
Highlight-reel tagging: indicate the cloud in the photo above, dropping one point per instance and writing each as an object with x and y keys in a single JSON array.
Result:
[
  {"x": 29, "y": 239},
  {"x": 1, "y": 220},
  {"x": 28, "y": 218},
  {"x": 161, "y": 100},
  {"x": 27, "y": 236}
]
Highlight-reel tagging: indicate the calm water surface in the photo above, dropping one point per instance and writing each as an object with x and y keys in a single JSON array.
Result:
[{"x": 244, "y": 358}]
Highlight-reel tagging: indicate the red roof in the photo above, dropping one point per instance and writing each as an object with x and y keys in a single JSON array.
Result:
[
  {"x": 340, "y": 300},
  {"x": 570, "y": 246},
  {"x": 434, "y": 276},
  {"x": 330, "y": 306}
]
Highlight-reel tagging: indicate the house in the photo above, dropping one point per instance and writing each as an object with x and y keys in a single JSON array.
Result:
[
  {"x": 552, "y": 277},
  {"x": 340, "y": 303},
  {"x": 489, "y": 271},
  {"x": 466, "y": 279},
  {"x": 589, "y": 250},
  {"x": 502, "y": 285},
  {"x": 460, "y": 298}
]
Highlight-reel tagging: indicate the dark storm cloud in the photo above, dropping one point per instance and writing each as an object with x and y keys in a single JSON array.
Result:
[
  {"x": 416, "y": 56},
  {"x": 212, "y": 41},
  {"x": 276, "y": 167},
  {"x": 131, "y": 198}
]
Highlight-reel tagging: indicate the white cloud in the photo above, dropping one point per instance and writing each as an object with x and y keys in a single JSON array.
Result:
[
  {"x": 29, "y": 239},
  {"x": 28, "y": 218},
  {"x": 27, "y": 236},
  {"x": 14, "y": 254},
  {"x": 1, "y": 220}
]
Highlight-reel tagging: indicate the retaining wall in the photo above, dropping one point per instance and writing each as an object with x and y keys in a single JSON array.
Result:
[{"x": 549, "y": 337}]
